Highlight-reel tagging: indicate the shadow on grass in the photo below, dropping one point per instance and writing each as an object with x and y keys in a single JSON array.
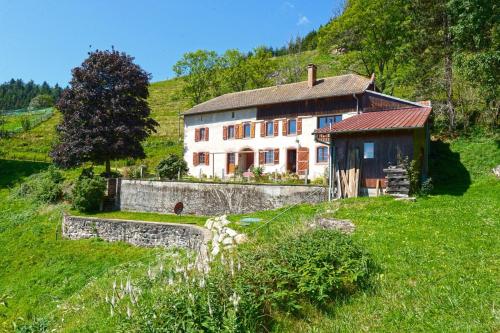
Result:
[
  {"x": 448, "y": 174},
  {"x": 12, "y": 171}
]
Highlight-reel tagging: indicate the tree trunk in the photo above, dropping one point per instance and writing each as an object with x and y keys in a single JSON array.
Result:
[
  {"x": 448, "y": 73},
  {"x": 108, "y": 168}
]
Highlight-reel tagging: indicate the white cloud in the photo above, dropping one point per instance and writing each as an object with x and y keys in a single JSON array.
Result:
[
  {"x": 303, "y": 20},
  {"x": 288, "y": 5}
]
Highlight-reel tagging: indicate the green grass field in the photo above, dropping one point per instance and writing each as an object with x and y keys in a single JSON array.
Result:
[
  {"x": 438, "y": 255},
  {"x": 165, "y": 103}
]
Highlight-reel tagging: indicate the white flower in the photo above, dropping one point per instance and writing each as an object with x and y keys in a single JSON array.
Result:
[{"x": 129, "y": 312}]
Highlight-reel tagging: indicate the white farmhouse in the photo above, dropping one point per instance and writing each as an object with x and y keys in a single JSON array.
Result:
[{"x": 274, "y": 127}]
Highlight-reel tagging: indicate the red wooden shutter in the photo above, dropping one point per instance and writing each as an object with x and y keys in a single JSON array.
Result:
[
  {"x": 207, "y": 158},
  {"x": 206, "y": 134},
  {"x": 261, "y": 157},
  {"x": 276, "y": 127},
  {"x": 224, "y": 133},
  {"x": 197, "y": 135},
  {"x": 302, "y": 160},
  {"x": 263, "y": 129},
  {"x": 276, "y": 156},
  {"x": 252, "y": 130},
  {"x": 285, "y": 127},
  {"x": 196, "y": 160},
  {"x": 299, "y": 126}
]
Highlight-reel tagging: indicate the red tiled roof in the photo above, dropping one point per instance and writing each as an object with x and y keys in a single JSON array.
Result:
[{"x": 380, "y": 120}]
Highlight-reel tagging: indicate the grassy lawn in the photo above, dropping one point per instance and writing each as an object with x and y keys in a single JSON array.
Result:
[
  {"x": 438, "y": 255},
  {"x": 39, "y": 270}
]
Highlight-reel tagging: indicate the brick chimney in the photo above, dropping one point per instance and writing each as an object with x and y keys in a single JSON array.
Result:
[{"x": 311, "y": 75}]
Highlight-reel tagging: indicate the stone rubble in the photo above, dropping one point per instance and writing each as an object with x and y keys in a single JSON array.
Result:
[
  {"x": 223, "y": 237},
  {"x": 344, "y": 226}
]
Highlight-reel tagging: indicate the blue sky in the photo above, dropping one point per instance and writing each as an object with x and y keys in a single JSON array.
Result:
[{"x": 44, "y": 40}]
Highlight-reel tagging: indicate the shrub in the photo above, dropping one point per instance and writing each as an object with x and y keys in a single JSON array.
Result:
[
  {"x": 88, "y": 192},
  {"x": 171, "y": 167},
  {"x": 25, "y": 124},
  {"x": 134, "y": 172},
  {"x": 427, "y": 187},
  {"x": 41, "y": 101},
  {"x": 316, "y": 266},
  {"x": 43, "y": 187},
  {"x": 257, "y": 171}
]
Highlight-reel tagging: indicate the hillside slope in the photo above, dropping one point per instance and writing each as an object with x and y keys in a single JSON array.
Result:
[{"x": 165, "y": 105}]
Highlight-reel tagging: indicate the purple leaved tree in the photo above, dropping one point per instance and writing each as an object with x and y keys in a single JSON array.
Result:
[{"x": 105, "y": 112}]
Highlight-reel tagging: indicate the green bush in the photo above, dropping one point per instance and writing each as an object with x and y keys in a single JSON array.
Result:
[
  {"x": 171, "y": 167},
  {"x": 41, "y": 101},
  {"x": 88, "y": 192},
  {"x": 26, "y": 123},
  {"x": 43, "y": 187},
  {"x": 241, "y": 290},
  {"x": 316, "y": 266}
]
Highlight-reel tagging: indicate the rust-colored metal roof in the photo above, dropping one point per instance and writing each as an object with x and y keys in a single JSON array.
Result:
[
  {"x": 327, "y": 87},
  {"x": 380, "y": 120}
]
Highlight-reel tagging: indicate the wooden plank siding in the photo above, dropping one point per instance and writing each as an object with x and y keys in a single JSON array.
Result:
[
  {"x": 372, "y": 102},
  {"x": 387, "y": 145},
  {"x": 324, "y": 106}
]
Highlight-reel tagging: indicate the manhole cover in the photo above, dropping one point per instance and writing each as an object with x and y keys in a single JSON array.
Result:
[{"x": 178, "y": 208}]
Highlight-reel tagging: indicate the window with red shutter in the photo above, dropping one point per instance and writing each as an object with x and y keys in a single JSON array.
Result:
[
  {"x": 196, "y": 160},
  {"x": 276, "y": 127},
  {"x": 261, "y": 157},
  {"x": 299, "y": 126},
  {"x": 224, "y": 133},
  {"x": 207, "y": 158},
  {"x": 284, "y": 128},
  {"x": 276, "y": 156},
  {"x": 206, "y": 134},
  {"x": 197, "y": 135},
  {"x": 263, "y": 129}
]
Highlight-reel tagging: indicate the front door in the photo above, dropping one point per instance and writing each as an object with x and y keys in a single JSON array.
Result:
[
  {"x": 231, "y": 162},
  {"x": 291, "y": 160}
]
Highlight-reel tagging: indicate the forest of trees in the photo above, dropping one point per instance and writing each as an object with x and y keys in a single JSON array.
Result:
[
  {"x": 446, "y": 51},
  {"x": 17, "y": 94}
]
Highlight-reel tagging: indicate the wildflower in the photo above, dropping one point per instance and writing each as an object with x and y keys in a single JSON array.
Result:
[
  {"x": 202, "y": 282},
  {"x": 129, "y": 312},
  {"x": 150, "y": 273},
  {"x": 235, "y": 299},
  {"x": 209, "y": 307}
]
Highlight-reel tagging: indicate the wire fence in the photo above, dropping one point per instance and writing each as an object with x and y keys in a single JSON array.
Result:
[{"x": 27, "y": 120}]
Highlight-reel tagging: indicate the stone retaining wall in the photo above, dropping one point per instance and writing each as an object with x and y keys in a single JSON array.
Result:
[
  {"x": 213, "y": 198},
  {"x": 138, "y": 233}
]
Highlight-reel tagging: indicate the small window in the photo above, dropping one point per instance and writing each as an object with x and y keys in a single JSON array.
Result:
[
  {"x": 329, "y": 120},
  {"x": 292, "y": 126},
  {"x": 269, "y": 157},
  {"x": 269, "y": 128},
  {"x": 230, "y": 132},
  {"x": 232, "y": 114},
  {"x": 322, "y": 154},
  {"x": 201, "y": 158},
  {"x": 369, "y": 150},
  {"x": 202, "y": 134},
  {"x": 246, "y": 130}
]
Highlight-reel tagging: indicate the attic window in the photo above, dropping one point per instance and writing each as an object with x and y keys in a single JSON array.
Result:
[{"x": 232, "y": 114}]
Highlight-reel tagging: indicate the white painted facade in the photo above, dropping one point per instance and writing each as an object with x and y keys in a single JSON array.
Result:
[{"x": 218, "y": 148}]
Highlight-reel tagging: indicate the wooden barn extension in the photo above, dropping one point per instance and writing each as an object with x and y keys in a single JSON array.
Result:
[{"x": 361, "y": 147}]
